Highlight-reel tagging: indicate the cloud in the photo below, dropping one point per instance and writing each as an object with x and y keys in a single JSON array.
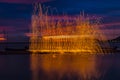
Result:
[
  {"x": 24, "y": 1},
  {"x": 111, "y": 34},
  {"x": 111, "y": 25}
]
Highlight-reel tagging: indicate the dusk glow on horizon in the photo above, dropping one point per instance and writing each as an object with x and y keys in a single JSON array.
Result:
[{"x": 15, "y": 15}]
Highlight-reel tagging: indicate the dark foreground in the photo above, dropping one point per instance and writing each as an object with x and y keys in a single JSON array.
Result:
[{"x": 59, "y": 67}]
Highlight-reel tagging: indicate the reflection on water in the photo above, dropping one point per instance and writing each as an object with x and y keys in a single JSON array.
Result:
[{"x": 68, "y": 67}]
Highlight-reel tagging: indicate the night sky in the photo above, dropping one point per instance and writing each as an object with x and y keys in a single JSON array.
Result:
[{"x": 15, "y": 15}]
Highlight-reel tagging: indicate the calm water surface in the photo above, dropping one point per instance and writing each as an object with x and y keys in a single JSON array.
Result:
[{"x": 59, "y": 67}]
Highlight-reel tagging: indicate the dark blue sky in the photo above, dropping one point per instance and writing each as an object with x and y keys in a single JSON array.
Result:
[{"x": 15, "y": 15}]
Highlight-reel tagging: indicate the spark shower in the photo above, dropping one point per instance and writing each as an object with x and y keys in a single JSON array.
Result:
[{"x": 76, "y": 34}]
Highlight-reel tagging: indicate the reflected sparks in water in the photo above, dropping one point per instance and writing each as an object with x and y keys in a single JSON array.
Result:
[{"x": 66, "y": 67}]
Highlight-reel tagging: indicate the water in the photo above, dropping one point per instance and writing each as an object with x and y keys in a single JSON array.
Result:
[
  {"x": 59, "y": 67},
  {"x": 15, "y": 67}
]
